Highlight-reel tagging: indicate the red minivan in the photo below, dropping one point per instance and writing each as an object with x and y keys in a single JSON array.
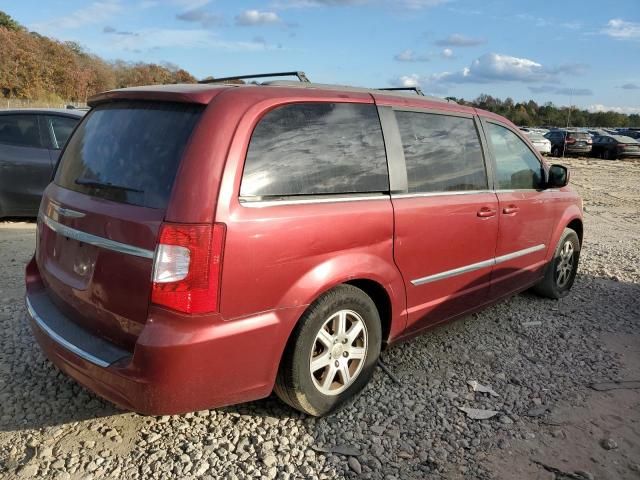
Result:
[{"x": 204, "y": 245}]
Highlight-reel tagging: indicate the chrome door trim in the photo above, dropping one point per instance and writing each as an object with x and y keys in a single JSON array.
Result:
[
  {"x": 63, "y": 342},
  {"x": 308, "y": 201},
  {"x": 476, "y": 266},
  {"x": 454, "y": 272},
  {"x": 439, "y": 194},
  {"x": 519, "y": 253},
  {"x": 95, "y": 240}
]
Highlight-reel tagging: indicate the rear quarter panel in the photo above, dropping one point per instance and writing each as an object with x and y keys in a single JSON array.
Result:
[{"x": 286, "y": 255}]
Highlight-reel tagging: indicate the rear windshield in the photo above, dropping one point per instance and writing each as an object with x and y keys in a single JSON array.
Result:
[
  {"x": 579, "y": 135},
  {"x": 128, "y": 152}
]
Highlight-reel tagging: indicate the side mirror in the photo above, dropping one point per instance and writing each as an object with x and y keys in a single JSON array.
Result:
[{"x": 558, "y": 176}]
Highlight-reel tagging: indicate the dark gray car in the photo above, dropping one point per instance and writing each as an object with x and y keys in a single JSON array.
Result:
[{"x": 30, "y": 143}]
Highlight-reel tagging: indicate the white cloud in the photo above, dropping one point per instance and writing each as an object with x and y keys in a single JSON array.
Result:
[
  {"x": 96, "y": 12},
  {"x": 409, "y": 81},
  {"x": 622, "y": 30},
  {"x": 150, "y": 39},
  {"x": 204, "y": 18},
  {"x": 459, "y": 40},
  {"x": 447, "y": 53},
  {"x": 598, "y": 107},
  {"x": 256, "y": 17},
  {"x": 409, "y": 55},
  {"x": 498, "y": 68}
]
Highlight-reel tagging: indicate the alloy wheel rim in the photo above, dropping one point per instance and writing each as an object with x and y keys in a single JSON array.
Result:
[
  {"x": 564, "y": 266},
  {"x": 338, "y": 352}
]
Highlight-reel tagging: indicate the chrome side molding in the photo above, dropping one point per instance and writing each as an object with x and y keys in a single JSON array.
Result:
[
  {"x": 95, "y": 240},
  {"x": 476, "y": 266}
]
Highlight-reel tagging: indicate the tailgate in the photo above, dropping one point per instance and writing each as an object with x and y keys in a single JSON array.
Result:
[{"x": 99, "y": 220}]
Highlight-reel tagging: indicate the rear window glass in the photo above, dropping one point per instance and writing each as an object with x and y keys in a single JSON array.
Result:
[
  {"x": 579, "y": 135},
  {"x": 316, "y": 149},
  {"x": 128, "y": 152}
]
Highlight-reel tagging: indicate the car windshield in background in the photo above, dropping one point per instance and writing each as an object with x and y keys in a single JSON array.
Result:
[
  {"x": 579, "y": 135},
  {"x": 128, "y": 152}
]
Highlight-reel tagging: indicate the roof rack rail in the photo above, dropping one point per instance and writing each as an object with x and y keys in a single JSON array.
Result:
[
  {"x": 301, "y": 76},
  {"x": 417, "y": 90}
]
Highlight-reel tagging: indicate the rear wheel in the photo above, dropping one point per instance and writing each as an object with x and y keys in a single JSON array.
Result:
[
  {"x": 606, "y": 155},
  {"x": 332, "y": 352},
  {"x": 555, "y": 151},
  {"x": 561, "y": 271}
]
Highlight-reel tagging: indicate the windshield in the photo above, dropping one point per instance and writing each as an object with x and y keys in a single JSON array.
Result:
[{"x": 128, "y": 152}]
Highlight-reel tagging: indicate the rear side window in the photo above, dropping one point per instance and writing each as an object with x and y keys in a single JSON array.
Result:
[
  {"x": 316, "y": 149},
  {"x": 20, "y": 130},
  {"x": 442, "y": 153},
  {"x": 517, "y": 166},
  {"x": 128, "y": 152}
]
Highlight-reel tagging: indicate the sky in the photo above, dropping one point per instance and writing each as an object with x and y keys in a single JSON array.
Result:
[{"x": 575, "y": 52}]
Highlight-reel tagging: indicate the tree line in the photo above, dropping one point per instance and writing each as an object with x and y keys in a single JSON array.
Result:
[
  {"x": 36, "y": 67},
  {"x": 531, "y": 114}
]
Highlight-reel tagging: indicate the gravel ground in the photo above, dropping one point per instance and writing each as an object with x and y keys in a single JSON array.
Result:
[{"x": 538, "y": 355}]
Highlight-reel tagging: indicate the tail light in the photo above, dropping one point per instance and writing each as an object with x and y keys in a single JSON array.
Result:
[
  {"x": 621, "y": 146},
  {"x": 187, "y": 266},
  {"x": 570, "y": 140}
]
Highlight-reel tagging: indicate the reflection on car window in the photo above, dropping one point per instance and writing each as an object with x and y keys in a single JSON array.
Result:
[
  {"x": 62, "y": 128},
  {"x": 442, "y": 153},
  {"x": 133, "y": 149},
  {"x": 21, "y": 130},
  {"x": 315, "y": 149},
  {"x": 517, "y": 166}
]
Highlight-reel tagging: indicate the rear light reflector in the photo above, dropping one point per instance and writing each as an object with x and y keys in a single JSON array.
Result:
[{"x": 187, "y": 266}]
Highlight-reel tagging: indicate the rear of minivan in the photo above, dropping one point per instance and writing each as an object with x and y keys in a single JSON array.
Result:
[{"x": 118, "y": 265}]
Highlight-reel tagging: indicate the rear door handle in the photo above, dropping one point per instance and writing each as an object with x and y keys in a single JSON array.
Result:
[
  {"x": 486, "y": 212},
  {"x": 510, "y": 210}
]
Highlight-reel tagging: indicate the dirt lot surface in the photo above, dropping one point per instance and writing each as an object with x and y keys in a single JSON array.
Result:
[{"x": 539, "y": 356}]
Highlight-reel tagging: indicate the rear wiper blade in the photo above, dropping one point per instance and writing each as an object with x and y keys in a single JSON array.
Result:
[{"x": 94, "y": 183}]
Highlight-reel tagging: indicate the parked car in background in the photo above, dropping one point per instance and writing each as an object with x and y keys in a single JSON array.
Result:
[
  {"x": 630, "y": 132},
  {"x": 160, "y": 280},
  {"x": 542, "y": 144},
  {"x": 615, "y": 146},
  {"x": 569, "y": 142},
  {"x": 30, "y": 143}
]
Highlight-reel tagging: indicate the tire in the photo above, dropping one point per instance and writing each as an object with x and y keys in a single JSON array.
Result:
[
  {"x": 561, "y": 271},
  {"x": 606, "y": 155},
  {"x": 555, "y": 151},
  {"x": 309, "y": 392}
]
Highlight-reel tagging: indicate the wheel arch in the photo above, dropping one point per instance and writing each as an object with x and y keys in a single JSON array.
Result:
[
  {"x": 381, "y": 298},
  {"x": 577, "y": 226}
]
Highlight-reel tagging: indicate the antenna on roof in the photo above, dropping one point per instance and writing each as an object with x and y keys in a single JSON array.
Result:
[
  {"x": 417, "y": 90},
  {"x": 301, "y": 76}
]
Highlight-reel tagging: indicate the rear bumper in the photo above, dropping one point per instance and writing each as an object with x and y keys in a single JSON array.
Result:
[
  {"x": 629, "y": 154},
  {"x": 570, "y": 149},
  {"x": 179, "y": 363}
]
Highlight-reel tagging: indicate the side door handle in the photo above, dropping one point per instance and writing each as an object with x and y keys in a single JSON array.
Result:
[
  {"x": 486, "y": 212},
  {"x": 510, "y": 210}
]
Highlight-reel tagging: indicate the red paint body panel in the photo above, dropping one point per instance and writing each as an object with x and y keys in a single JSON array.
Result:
[
  {"x": 433, "y": 236},
  {"x": 277, "y": 259}
]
